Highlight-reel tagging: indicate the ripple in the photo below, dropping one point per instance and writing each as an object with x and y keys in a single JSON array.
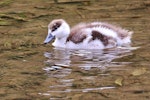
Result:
[
  {"x": 83, "y": 90},
  {"x": 80, "y": 70}
]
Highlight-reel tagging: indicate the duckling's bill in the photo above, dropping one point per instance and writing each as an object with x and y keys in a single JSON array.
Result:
[{"x": 49, "y": 38}]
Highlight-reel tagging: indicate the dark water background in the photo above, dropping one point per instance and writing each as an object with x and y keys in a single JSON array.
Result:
[{"x": 30, "y": 70}]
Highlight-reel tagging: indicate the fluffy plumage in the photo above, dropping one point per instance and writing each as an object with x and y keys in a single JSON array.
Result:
[{"x": 94, "y": 35}]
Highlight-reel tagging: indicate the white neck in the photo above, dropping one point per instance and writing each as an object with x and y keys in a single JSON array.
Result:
[{"x": 60, "y": 42}]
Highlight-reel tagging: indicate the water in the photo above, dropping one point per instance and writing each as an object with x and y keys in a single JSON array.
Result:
[
  {"x": 30, "y": 70},
  {"x": 87, "y": 65}
]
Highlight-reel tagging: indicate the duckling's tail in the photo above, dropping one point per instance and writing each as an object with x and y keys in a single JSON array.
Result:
[{"x": 126, "y": 41}]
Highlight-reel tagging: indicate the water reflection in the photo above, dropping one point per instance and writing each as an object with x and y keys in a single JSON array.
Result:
[
  {"x": 85, "y": 59},
  {"x": 62, "y": 65}
]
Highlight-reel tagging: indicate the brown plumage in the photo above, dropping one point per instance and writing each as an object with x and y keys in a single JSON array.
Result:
[{"x": 87, "y": 35}]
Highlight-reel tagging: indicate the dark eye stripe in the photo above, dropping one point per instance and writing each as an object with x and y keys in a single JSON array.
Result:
[{"x": 56, "y": 26}]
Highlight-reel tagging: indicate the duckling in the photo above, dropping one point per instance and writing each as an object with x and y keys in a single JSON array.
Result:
[{"x": 94, "y": 35}]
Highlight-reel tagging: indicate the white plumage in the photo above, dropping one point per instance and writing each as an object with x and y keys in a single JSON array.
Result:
[{"x": 94, "y": 35}]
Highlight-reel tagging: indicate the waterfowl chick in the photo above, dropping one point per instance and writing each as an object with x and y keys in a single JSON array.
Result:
[{"x": 94, "y": 35}]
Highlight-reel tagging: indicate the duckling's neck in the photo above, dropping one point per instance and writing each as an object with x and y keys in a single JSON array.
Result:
[{"x": 60, "y": 42}]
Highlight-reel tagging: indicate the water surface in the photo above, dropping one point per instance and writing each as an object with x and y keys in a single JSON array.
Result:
[{"x": 30, "y": 70}]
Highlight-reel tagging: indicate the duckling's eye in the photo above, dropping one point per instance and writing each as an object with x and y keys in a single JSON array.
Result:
[{"x": 56, "y": 26}]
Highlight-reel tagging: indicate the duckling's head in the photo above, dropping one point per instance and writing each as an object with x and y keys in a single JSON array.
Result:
[{"x": 57, "y": 28}]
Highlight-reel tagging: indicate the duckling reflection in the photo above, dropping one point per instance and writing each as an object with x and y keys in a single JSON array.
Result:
[
  {"x": 66, "y": 67},
  {"x": 85, "y": 59}
]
